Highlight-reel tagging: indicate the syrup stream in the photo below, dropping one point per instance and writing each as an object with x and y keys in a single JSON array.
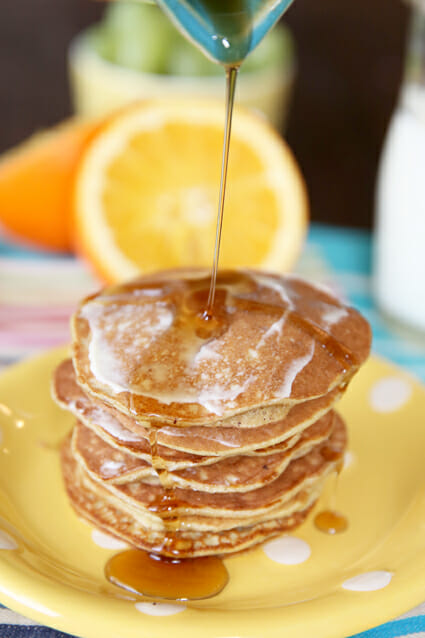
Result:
[{"x": 231, "y": 75}]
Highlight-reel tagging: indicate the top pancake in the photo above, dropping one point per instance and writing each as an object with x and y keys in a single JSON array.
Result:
[{"x": 276, "y": 340}]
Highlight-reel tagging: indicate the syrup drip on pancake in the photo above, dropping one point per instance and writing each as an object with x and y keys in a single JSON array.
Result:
[
  {"x": 167, "y": 502},
  {"x": 329, "y": 520},
  {"x": 151, "y": 575}
]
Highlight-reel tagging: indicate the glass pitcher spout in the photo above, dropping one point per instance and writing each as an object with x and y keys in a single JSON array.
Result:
[{"x": 225, "y": 30}]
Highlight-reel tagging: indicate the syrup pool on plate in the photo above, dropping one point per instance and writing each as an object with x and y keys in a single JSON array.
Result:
[{"x": 154, "y": 576}]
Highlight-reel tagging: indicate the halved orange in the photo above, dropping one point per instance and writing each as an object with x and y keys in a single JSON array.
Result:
[{"x": 147, "y": 192}]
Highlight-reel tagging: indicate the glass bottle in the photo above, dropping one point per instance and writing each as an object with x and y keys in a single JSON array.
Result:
[{"x": 399, "y": 259}]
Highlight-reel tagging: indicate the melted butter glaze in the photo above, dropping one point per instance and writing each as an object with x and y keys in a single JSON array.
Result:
[{"x": 197, "y": 361}]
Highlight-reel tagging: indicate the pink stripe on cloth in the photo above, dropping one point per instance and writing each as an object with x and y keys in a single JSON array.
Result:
[
  {"x": 37, "y": 299},
  {"x": 31, "y": 341},
  {"x": 30, "y": 323},
  {"x": 58, "y": 312}
]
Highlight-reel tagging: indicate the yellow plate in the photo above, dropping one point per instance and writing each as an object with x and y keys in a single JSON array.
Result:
[{"x": 51, "y": 567}]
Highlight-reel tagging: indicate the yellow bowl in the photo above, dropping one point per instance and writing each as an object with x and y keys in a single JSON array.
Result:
[{"x": 99, "y": 86}]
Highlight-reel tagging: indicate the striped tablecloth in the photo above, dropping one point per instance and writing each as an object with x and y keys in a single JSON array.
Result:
[{"x": 38, "y": 293}]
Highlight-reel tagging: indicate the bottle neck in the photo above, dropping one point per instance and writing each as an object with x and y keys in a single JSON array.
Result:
[
  {"x": 415, "y": 54},
  {"x": 412, "y": 96}
]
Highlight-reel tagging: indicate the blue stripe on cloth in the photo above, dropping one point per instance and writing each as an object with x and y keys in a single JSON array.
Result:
[
  {"x": 346, "y": 249},
  {"x": 347, "y": 255},
  {"x": 17, "y": 631},
  {"x": 395, "y": 629},
  {"x": 17, "y": 250}
]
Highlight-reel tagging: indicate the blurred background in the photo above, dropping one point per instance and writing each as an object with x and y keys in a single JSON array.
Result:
[
  {"x": 348, "y": 58},
  {"x": 344, "y": 82}
]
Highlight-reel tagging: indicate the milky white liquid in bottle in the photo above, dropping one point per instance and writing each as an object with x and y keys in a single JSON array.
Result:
[
  {"x": 400, "y": 223},
  {"x": 400, "y": 250}
]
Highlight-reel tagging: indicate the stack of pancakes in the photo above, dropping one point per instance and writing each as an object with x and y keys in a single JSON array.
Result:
[{"x": 200, "y": 435}]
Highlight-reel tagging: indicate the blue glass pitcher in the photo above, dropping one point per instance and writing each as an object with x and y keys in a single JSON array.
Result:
[{"x": 225, "y": 30}]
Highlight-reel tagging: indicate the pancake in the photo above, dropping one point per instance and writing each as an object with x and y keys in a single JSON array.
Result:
[
  {"x": 184, "y": 544},
  {"x": 106, "y": 423},
  {"x": 143, "y": 496},
  {"x": 250, "y": 472},
  {"x": 236, "y": 473},
  {"x": 185, "y": 509},
  {"x": 122, "y": 431},
  {"x": 279, "y": 341},
  {"x": 105, "y": 462},
  {"x": 194, "y": 523}
]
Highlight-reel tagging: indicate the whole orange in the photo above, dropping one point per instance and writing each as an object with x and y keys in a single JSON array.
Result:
[{"x": 36, "y": 181}]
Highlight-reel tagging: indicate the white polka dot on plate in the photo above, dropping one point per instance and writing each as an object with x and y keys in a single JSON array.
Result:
[
  {"x": 287, "y": 550},
  {"x": 106, "y": 541},
  {"x": 369, "y": 581},
  {"x": 159, "y": 609},
  {"x": 6, "y": 541},
  {"x": 390, "y": 394}
]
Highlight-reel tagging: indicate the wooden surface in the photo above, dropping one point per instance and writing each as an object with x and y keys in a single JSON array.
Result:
[{"x": 350, "y": 60}]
